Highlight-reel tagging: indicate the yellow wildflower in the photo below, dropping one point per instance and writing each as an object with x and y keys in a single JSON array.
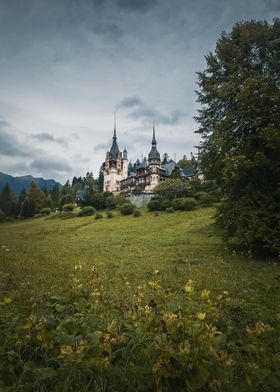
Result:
[
  {"x": 66, "y": 350},
  {"x": 154, "y": 284},
  {"x": 112, "y": 327},
  {"x": 259, "y": 329},
  {"x": 205, "y": 294},
  {"x": 184, "y": 347},
  {"x": 189, "y": 287},
  {"x": 201, "y": 316}
]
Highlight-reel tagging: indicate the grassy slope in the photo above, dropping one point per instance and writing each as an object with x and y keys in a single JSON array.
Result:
[{"x": 43, "y": 253}]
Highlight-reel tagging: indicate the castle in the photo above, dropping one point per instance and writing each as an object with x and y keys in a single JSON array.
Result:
[{"x": 146, "y": 176}]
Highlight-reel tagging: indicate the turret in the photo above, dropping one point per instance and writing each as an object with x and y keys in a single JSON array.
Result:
[
  {"x": 125, "y": 153},
  {"x": 154, "y": 155}
]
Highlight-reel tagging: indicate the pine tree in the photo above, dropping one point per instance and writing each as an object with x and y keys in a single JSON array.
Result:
[
  {"x": 7, "y": 201},
  {"x": 55, "y": 195},
  {"x": 20, "y": 200},
  {"x": 28, "y": 208}
]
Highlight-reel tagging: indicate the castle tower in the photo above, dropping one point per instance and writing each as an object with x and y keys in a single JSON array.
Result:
[
  {"x": 125, "y": 163},
  {"x": 154, "y": 164},
  {"x": 115, "y": 167}
]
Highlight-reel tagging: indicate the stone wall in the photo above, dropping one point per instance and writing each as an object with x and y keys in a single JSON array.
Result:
[{"x": 140, "y": 200}]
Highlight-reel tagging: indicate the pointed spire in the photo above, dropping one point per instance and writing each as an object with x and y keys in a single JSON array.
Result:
[
  {"x": 154, "y": 142},
  {"x": 154, "y": 154},
  {"x": 114, "y": 149},
  {"x": 115, "y": 127}
]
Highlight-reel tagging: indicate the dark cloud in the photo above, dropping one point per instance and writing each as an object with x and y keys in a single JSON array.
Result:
[
  {"x": 48, "y": 137},
  {"x": 143, "y": 112},
  {"x": 130, "y": 102},
  {"x": 110, "y": 31},
  {"x": 136, "y": 5},
  {"x": 9, "y": 144},
  {"x": 102, "y": 146},
  {"x": 50, "y": 164}
]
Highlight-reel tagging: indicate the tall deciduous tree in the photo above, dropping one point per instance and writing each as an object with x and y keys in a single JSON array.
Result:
[
  {"x": 239, "y": 124},
  {"x": 37, "y": 195}
]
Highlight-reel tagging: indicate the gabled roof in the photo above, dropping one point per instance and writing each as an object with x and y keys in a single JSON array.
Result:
[
  {"x": 169, "y": 167},
  {"x": 188, "y": 171}
]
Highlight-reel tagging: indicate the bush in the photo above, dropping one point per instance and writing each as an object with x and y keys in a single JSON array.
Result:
[
  {"x": 204, "y": 198},
  {"x": 173, "y": 188},
  {"x": 127, "y": 209},
  {"x": 120, "y": 199},
  {"x": 2, "y": 216},
  {"x": 45, "y": 211},
  {"x": 68, "y": 207},
  {"x": 137, "y": 213},
  {"x": 159, "y": 204},
  {"x": 110, "y": 215},
  {"x": 98, "y": 216},
  {"x": 111, "y": 202},
  {"x": 87, "y": 211},
  {"x": 184, "y": 203},
  {"x": 169, "y": 210}
]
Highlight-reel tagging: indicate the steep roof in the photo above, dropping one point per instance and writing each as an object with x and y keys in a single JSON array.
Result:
[
  {"x": 154, "y": 154},
  {"x": 169, "y": 167},
  {"x": 114, "y": 151},
  {"x": 188, "y": 171}
]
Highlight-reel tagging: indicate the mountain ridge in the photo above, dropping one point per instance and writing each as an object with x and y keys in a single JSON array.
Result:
[{"x": 17, "y": 183}]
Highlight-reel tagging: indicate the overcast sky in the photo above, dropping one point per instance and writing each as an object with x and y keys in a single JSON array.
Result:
[{"x": 67, "y": 65}]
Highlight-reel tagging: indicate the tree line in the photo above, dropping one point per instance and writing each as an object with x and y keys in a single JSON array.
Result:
[{"x": 35, "y": 200}]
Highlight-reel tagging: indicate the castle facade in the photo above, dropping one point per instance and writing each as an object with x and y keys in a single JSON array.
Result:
[{"x": 147, "y": 176}]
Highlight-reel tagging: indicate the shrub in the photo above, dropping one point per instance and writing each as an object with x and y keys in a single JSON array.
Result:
[
  {"x": 137, "y": 213},
  {"x": 111, "y": 202},
  {"x": 184, "y": 203},
  {"x": 87, "y": 211},
  {"x": 110, "y": 215},
  {"x": 169, "y": 209},
  {"x": 2, "y": 216},
  {"x": 98, "y": 215},
  {"x": 45, "y": 211},
  {"x": 154, "y": 204},
  {"x": 120, "y": 199},
  {"x": 173, "y": 188},
  {"x": 68, "y": 207},
  {"x": 127, "y": 209},
  {"x": 159, "y": 204},
  {"x": 204, "y": 198}
]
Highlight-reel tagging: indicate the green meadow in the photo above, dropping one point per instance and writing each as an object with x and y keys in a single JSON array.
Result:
[{"x": 135, "y": 303}]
